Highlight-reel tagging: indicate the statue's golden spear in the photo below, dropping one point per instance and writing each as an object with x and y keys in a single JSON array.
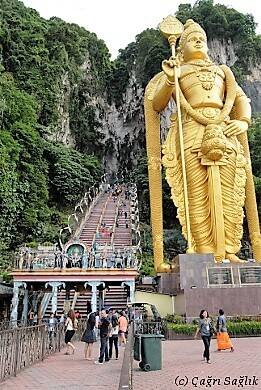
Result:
[{"x": 172, "y": 29}]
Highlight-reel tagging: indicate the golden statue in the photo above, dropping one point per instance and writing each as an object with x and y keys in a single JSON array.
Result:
[{"x": 205, "y": 154}]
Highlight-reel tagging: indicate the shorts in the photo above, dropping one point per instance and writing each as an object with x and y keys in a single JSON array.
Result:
[
  {"x": 122, "y": 332},
  {"x": 68, "y": 335}
]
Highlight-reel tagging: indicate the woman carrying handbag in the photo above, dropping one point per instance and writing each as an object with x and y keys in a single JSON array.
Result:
[{"x": 205, "y": 326}]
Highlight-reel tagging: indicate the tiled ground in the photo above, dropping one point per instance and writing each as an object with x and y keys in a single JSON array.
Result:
[{"x": 182, "y": 368}]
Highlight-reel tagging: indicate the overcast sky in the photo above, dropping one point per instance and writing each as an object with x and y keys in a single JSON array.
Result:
[{"x": 117, "y": 22}]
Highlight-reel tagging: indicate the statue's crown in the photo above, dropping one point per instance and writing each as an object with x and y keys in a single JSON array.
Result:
[{"x": 189, "y": 27}]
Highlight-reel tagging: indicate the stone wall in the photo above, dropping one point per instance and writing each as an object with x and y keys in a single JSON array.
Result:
[{"x": 204, "y": 284}]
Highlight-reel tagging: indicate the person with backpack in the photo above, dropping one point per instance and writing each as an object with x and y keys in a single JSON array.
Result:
[
  {"x": 223, "y": 339},
  {"x": 113, "y": 335}
]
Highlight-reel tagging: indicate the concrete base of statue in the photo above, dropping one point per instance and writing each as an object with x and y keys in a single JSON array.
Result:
[{"x": 197, "y": 282}]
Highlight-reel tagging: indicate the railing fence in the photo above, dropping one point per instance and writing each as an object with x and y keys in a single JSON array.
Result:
[{"x": 22, "y": 346}]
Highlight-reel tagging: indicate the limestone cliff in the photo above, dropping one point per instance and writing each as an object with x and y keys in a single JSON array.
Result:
[{"x": 123, "y": 127}]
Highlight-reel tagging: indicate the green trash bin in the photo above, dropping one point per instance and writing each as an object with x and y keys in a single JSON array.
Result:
[
  {"x": 148, "y": 349},
  {"x": 137, "y": 347}
]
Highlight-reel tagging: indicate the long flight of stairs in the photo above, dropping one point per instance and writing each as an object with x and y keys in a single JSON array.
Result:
[
  {"x": 109, "y": 215},
  {"x": 91, "y": 225},
  {"x": 122, "y": 236}
]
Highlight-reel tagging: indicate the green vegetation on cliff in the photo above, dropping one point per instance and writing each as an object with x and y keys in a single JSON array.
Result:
[{"x": 50, "y": 69}]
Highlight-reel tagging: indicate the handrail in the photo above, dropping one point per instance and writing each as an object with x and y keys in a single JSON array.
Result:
[
  {"x": 44, "y": 303},
  {"x": 75, "y": 230},
  {"x": 115, "y": 219},
  {"x": 76, "y": 294},
  {"x": 101, "y": 218},
  {"x": 88, "y": 213},
  {"x": 21, "y": 347}
]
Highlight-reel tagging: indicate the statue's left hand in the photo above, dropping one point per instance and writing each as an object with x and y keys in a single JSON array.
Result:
[{"x": 235, "y": 127}]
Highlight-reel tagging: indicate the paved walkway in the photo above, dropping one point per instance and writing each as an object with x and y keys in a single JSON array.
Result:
[
  {"x": 72, "y": 372},
  {"x": 183, "y": 368},
  {"x": 181, "y": 362}
]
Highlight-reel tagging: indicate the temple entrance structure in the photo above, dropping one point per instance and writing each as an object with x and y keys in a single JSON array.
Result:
[{"x": 96, "y": 267}]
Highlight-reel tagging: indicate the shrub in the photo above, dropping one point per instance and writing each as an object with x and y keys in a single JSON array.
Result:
[
  {"x": 174, "y": 318},
  {"x": 183, "y": 328},
  {"x": 244, "y": 327},
  {"x": 234, "y": 328}
]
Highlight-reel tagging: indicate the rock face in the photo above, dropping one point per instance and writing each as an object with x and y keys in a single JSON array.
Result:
[
  {"x": 124, "y": 128},
  {"x": 224, "y": 53}
]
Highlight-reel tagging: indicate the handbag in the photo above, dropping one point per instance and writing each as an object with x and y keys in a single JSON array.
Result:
[{"x": 212, "y": 329}]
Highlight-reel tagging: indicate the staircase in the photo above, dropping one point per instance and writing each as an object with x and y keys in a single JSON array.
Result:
[
  {"x": 109, "y": 223},
  {"x": 60, "y": 302},
  {"x": 81, "y": 303},
  {"x": 88, "y": 232},
  {"x": 109, "y": 226},
  {"x": 122, "y": 235},
  {"x": 116, "y": 297}
]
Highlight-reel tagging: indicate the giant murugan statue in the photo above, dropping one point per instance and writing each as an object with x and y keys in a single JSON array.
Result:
[{"x": 205, "y": 154}]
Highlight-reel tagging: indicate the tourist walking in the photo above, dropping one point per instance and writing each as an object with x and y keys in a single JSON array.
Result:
[
  {"x": 52, "y": 328},
  {"x": 204, "y": 327},
  {"x": 89, "y": 336},
  {"x": 113, "y": 336},
  {"x": 223, "y": 339},
  {"x": 70, "y": 325},
  {"x": 123, "y": 327},
  {"x": 104, "y": 326}
]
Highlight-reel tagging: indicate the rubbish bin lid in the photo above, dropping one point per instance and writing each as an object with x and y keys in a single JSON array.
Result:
[{"x": 152, "y": 336}]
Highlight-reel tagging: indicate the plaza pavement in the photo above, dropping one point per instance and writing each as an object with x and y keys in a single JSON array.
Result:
[
  {"x": 181, "y": 363},
  {"x": 183, "y": 367}
]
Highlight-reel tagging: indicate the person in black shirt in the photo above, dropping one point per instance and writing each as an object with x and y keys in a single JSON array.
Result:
[{"x": 104, "y": 326}]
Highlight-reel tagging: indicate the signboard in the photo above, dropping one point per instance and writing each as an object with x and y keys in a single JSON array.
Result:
[
  {"x": 218, "y": 276},
  {"x": 249, "y": 275}
]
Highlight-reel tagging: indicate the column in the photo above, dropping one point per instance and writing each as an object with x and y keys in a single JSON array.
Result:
[
  {"x": 93, "y": 284},
  {"x": 131, "y": 285},
  {"x": 15, "y": 300},
  {"x": 25, "y": 304},
  {"x": 54, "y": 286}
]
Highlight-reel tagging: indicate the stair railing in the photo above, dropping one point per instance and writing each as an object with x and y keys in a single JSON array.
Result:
[
  {"x": 115, "y": 220},
  {"x": 77, "y": 219},
  {"x": 76, "y": 294},
  {"x": 44, "y": 304},
  {"x": 101, "y": 218}
]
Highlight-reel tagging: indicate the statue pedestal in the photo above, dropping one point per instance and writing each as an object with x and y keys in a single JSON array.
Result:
[{"x": 198, "y": 282}]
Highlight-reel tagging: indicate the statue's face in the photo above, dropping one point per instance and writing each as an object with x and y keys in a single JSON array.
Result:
[{"x": 195, "y": 47}]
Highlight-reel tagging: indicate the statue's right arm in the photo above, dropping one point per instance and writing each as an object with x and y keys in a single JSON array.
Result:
[
  {"x": 162, "y": 96},
  {"x": 165, "y": 90}
]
